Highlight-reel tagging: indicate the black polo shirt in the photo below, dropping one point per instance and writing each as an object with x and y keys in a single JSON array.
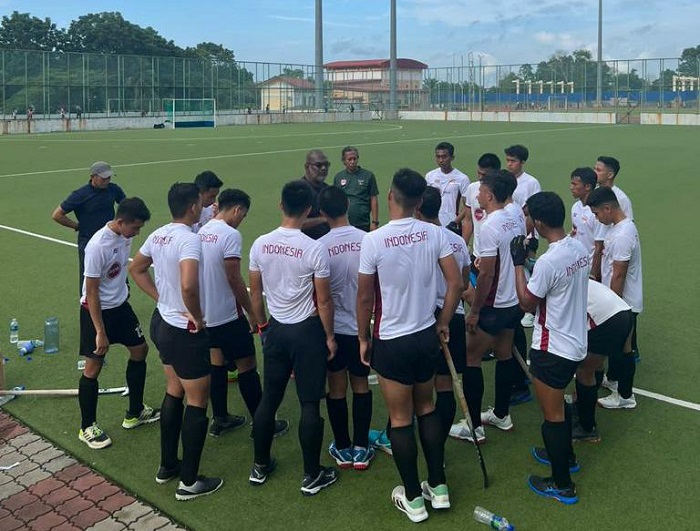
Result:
[
  {"x": 322, "y": 229},
  {"x": 93, "y": 208}
]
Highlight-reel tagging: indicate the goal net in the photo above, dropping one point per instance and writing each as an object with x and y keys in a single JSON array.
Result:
[{"x": 190, "y": 113}]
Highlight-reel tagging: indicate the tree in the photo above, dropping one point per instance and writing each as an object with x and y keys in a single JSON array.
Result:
[
  {"x": 526, "y": 73},
  {"x": 293, "y": 72},
  {"x": 690, "y": 62},
  {"x": 215, "y": 53},
  {"x": 21, "y": 31}
]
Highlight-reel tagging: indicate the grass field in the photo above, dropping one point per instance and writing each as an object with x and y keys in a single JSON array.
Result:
[{"x": 640, "y": 477}]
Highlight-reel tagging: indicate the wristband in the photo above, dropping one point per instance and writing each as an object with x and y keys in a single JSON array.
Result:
[
  {"x": 263, "y": 327},
  {"x": 375, "y": 222}
]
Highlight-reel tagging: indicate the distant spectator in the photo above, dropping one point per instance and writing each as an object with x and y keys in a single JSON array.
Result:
[{"x": 78, "y": 112}]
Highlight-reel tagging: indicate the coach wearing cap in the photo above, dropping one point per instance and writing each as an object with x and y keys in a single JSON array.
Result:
[{"x": 93, "y": 205}]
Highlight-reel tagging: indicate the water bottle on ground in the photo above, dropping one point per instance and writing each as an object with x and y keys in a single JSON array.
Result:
[
  {"x": 14, "y": 331},
  {"x": 36, "y": 343},
  {"x": 492, "y": 520},
  {"x": 51, "y": 335},
  {"x": 26, "y": 348}
]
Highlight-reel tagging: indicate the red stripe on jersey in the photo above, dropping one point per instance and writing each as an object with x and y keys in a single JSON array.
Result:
[
  {"x": 377, "y": 307},
  {"x": 544, "y": 340},
  {"x": 491, "y": 297},
  {"x": 591, "y": 322},
  {"x": 313, "y": 294}
]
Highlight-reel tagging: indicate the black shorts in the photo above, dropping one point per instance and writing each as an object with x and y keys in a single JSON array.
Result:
[
  {"x": 494, "y": 320},
  {"x": 121, "y": 325},
  {"x": 551, "y": 369},
  {"x": 609, "y": 338},
  {"x": 299, "y": 347},
  {"x": 348, "y": 356},
  {"x": 233, "y": 338},
  {"x": 407, "y": 359},
  {"x": 457, "y": 344},
  {"x": 187, "y": 353}
]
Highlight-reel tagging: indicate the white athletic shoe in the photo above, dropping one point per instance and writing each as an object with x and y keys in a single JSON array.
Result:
[
  {"x": 528, "y": 320},
  {"x": 489, "y": 418},
  {"x": 439, "y": 496},
  {"x": 461, "y": 431},
  {"x": 615, "y": 401},
  {"x": 414, "y": 509},
  {"x": 610, "y": 385}
]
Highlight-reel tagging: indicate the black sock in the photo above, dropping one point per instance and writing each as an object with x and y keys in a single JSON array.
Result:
[
  {"x": 250, "y": 389},
  {"x": 433, "y": 443},
  {"x": 311, "y": 437},
  {"x": 194, "y": 432},
  {"x": 170, "y": 426},
  {"x": 446, "y": 407},
  {"x": 405, "y": 451},
  {"x": 614, "y": 362},
  {"x": 599, "y": 375},
  {"x": 504, "y": 386},
  {"x": 264, "y": 422},
  {"x": 338, "y": 417},
  {"x": 626, "y": 375},
  {"x": 388, "y": 428},
  {"x": 136, "y": 380},
  {"x": 520, "y": 379},
  {"x": 586, "y": 396},
  {"x": 557, "y": 443},
  {"x": 218, "y": 392},
  {"x": 473, "y": 385},
  {"x": 361, "y": 418},
  {"x": 87, "y": 398}
]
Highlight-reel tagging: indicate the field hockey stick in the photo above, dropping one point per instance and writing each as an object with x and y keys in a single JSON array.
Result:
[
  {"x": 61, "y": 392},
  {"x": 465, "y": 408},
  {"x": 521, "y": 362}
]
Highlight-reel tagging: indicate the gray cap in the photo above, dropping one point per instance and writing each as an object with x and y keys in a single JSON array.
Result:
[{"x": 101, "y": 169}]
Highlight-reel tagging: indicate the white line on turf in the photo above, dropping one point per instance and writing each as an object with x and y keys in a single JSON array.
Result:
[{"x": 40, "y": 236}]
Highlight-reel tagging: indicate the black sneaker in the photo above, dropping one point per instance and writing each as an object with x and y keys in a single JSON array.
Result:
[
  {"x": 547, "y": 488},
  {"x": 281, "y": 427},
  {"x": 201, "y": 487},
  {"x": 578, "y": 434},
  {"x": 259, "y": 473},
  {"x": 311, "y": 485},
  {"x": 541, "y": 456},
  {"x": 220, "y": 425},
  {"x": 165, "y": 473}
]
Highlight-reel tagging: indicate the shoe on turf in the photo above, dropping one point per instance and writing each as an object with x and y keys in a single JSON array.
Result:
[
  {"x": 489, "y": 418},
  {"x": 202, "y": 487},
  {"x": 547, "y": 488},
  {"x": 528, "y": 320},
  {"x": 259, "y": 473},
  {"x": 520, "y": 397},
  {"x": 488, "y": 356},
  {"x": 311, "y": 485},
  {"x": 439, "y": 496},
  {"x": 165, "y": 473},
  {"x": 147, "y": 415},
  {"x": 461, "y": 431},
  {"x": 342, "y": 456},
  {"x": 220, "y": 425},
  {"x": 610, "y": 385},
  {"x": 378, "y": 439},
  {"x": 578, "y": 434},
  {"x": 281, "y": 427},
  {"x": 414, "y": 509},
  {"x": 361, "y": 457},
  {"x": 615, "y": 401},
  {"x": 232, "y": 376},
  {"x": 94, "y": 437},
  {"x": 541, "y": 456}
]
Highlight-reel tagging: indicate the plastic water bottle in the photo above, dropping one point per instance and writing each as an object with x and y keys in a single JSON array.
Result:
[
  {"x": 51, "y": 335},
  {"x": 14, "y": 331},
  {"x": 36, "y": 343},
  {"x": 492, "y": 520},
  {"x": 26, "y": 348}
]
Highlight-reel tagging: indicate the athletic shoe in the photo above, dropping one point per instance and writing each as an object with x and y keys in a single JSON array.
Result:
[
  {"x": 462, "y": 432},
  {"x": 439, "y": 497},
  {"x": 547, "y": 488},
  {"x": 520, "y": 397},
  {"x": 343, "y": 456},
  {"x": 147, "y": 415},
  {"x": 361, "y": 457},
  {"x": 578, "y": 434},
  {"x": 281, "y": 427},
  {"x": 610, "y": 385},
  {"x": 528, "y": 320},
  {"x": 165, "y": 474},
  {"x": 259, "y": 473},
  {"x": 379, "y": 440},
  {"x": 615, "y": 401},
  {"x": 202, "y": 487},
  {"x": 311, "y": 485},
  {"x": 489, "y": 418},
  {"x": 232, "y": 376},
  {"x": 569, "y": 399},
  {"x": 489, "y": 356},
  {"x": 541, "y": 456},
  {"x": 220, "y": 425},
  {"x": 414, "y": 509},
  {"x": 94, "y": 437}
]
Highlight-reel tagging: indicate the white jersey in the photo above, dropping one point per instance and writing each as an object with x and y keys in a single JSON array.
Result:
[
  {"x": 461, "y": 254},
  {"x": 288, "y": 261},
  {"x": 167, "y": 247},
  {"x": 515, "y": 211},
  {"x": 451, "y": 186},
  {"x": 625, "y": 206},
  {"x": 343, "y": 245},
  {"x": 207, "y": 214},
  {"x": 527, "y": 187},
  {"x": 497, "y": 232},
  {"x": 584, "y": 225},
  {"x": 220, "y": 242},
  {"x": 603, "y": 303},
  {"x": 404, "y": 255},
  {"x": 478, "y": 215},
  {"x": 622, "y": 245},
  {"x": 560, "y": 281},
  {"x": 106, "y": 258}
]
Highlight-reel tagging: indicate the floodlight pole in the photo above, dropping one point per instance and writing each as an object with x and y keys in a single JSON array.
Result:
[
  {"x": 599, "y": 80},
  {"x": 392, "y": 61},
  {"x": 319, "y": 54}
]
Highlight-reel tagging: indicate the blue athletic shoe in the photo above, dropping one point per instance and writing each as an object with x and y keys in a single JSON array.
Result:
[
  {"x": 342, "y": 456},
  {"x": 540, "y": 455},
  {"x": 546, "y": 488},
  {"x": 379, "y": 440},
  {"x": 361, "y": 457},
  {"x": 520, "y": 397}
]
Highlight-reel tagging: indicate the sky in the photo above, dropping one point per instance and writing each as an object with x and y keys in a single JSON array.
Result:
[{"x": 437, "y": 32}]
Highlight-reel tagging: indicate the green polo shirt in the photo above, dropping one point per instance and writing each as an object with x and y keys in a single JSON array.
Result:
[{"x": 359, "y": 187}]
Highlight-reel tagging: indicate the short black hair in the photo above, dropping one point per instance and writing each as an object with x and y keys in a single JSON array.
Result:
[
  {"x": 518, "y": 151},
  {"x": 489, "y": 161},
  {"x": 510, "y": 181},
  {"x": 602, "y": 196},
  {"x": 430, "y": 206},
  {"x": 232, "y": 197},
  {"x": 349, "y": 149},
  {"x": 132, "y": 209},
  {"x": 547, "y": 208},
  {"x": 611, "y": 162},
  {"x": 207, "y": 180},
  {"x": 408, "y": 186},
  {"x": 333, "y": 202},
  {"x": 498, "y": 185},
  {"x": 586, "y": 175},
  {"x": 447, "y": 147},
  {"x": 297, "y": 197},
  {"x": 181, "y": 197}
]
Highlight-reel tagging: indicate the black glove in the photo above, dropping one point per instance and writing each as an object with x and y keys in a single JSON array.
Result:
[
  {"x": 454, "y": 227},
  {"x": 518, "y": 251},
  {"x": 533, "y": 244}
]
